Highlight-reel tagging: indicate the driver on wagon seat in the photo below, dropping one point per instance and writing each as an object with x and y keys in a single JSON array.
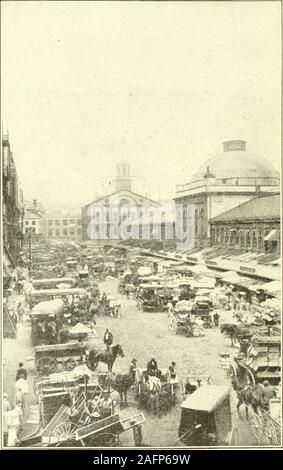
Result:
[{"x": 152, "y": 367}]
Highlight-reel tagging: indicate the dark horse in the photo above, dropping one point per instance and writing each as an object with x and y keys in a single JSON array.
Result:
[
  {"x": 247, "y": 394},
  {"x": 121, "y": 383},
  {"x": 108, "y": 356}
]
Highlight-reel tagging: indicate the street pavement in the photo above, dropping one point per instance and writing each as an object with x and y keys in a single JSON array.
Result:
[{"x": 143, "y": 335}]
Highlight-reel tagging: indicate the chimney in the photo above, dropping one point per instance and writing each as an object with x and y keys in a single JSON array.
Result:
[
  {"x": 234, "y": 146},
  {"x": 35, "y": 203}
]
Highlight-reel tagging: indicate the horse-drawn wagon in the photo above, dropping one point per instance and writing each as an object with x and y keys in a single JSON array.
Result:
[
  {"x": 148, "y": 298},
  {"x": 79, "y": 414},
  {"x": 184, "y": 322},
  {"x": 49, "y": 358},
  {"x": 157, "y": 392},
  {"x": 266, "y": 429},
  {"x": 262, "y": 361},
  {"x": 109, "y": 307},
  {"x": 206, "y": 418}
]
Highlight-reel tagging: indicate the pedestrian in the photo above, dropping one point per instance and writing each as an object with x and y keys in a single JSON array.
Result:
[
  {"x": 6, "y": 407},
  {"x": 21, "y": 372},
  {"x": 216, "y": 318},
  {"x": 20, "y": 312},
  {"x": 14, "y": 318},
  {"x": 172, "y": 370},
  {"x": 133, "y": 370},
  {"x": 268, "y": 393},
  {"x": 108, "y": 338},
  {"x": 13, "y": 424},
  {"x": 21, "y": 394},
  {"x": 169, "y": 308}
]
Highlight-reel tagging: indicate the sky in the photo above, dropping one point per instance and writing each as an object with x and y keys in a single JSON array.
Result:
[{"x": 159, "y": 84}]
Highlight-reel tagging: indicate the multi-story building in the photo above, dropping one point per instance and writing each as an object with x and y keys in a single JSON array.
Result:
[
  {"x": 33, "y": 219},
  {"x": 222, "y": 183},
  {"x": 13, "y": 208},
  {"x": 252, "y": 226},
  {"x": 58, "y": 225}
]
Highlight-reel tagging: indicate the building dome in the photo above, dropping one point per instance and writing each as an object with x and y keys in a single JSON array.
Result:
[{"x": 235, "y": 162}]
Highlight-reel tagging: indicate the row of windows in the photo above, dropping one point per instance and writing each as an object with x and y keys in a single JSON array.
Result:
[
  {"x": 65, "y": 231},
  {"x": 57, "y": 222},
  {"x": 27, "y": 230},
  {"x": 33, "y": 222}
]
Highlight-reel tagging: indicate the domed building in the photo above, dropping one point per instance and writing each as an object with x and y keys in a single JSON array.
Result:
[{"x": 225, "y": 181}]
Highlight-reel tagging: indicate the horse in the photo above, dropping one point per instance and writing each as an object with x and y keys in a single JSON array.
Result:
[
  {"x": 247, "y": 394},
  {"x": 108, "y": 356},
  {"x": 121, "y": 383}
]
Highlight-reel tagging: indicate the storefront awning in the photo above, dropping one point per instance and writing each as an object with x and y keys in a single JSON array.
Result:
[
  {"x": 272, "y": 236},
  {"x": 243, "y": 281},
  {"x": 231, "y": 276},
  {"x": 273, "y": 288}
]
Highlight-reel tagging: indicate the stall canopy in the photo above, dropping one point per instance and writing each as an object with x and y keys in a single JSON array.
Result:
[
  {"x": 243, "y": 281},
  {"x": 231, "y": 276},
  {"x": 273, "y": 288},
  {"x": 272, "y": 235}
]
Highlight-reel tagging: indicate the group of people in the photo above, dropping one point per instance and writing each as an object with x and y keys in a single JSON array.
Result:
[
  {"x": 17, "y": 311},
  {"x": 14, "y": 416}
]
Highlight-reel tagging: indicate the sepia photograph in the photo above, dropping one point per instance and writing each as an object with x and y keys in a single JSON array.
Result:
[{"x": 141, "y": 226}]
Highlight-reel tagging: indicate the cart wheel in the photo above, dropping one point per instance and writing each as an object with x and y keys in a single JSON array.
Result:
[
  {"x": 256, "y": 424},
  {"x": 274, "y": 435},
  {"x": 233, "y": 437},
  {"x": 46, "y": 365},
  {"x": 70, "y": 364},
  {"x": 92, "y": 365},
  {"x": 65, "y": 431},
  {"x": 232, "y": 372},
  {"x": 250, "y": 378}
]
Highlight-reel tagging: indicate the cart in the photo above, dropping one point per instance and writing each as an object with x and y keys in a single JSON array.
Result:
[
  {"x": 101, "y": 433},
  {"x": 206, "y": 418},
  {"x": 49, "y": 357},
  {"x": 155, "y": 393},
  {"x": 262, "y": 361}
]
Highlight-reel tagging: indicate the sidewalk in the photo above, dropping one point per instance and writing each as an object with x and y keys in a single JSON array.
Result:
[{"x": 15, "y": 351}]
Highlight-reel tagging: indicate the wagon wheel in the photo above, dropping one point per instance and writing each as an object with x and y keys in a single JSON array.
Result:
[
  {"x": 233, "y": 437},
  {"x": 65, "y": 431},
  {"x": 249, "y": 377},
  {"x": 106, "y": 439},
  {"x": 232, "y": 372},
  {"x": 45, "y": 365},
  {"x": 92, "y": 365},
  {"x": 70, "y": 364},
  {"x": 270, "y": 436},
  {"x": 256, "y": 424}
]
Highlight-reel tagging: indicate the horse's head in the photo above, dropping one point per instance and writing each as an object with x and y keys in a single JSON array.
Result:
[{"x": 118, "y": 351}]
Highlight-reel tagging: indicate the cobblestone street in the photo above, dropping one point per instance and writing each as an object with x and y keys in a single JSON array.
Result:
[{"x": 142, "y": 335}]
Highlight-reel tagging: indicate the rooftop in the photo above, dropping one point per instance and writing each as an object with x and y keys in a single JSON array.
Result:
[
  {"x": 206, "y": 398},
  {"x": 264, "y": 207}
]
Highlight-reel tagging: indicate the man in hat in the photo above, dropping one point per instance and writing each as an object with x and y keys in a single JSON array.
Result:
[
  {"x": 6, "y": 408},
  {"x": 108, "y": 338},
  {"x": 21, "y": 372},
  {"x": 152, "y": 367},
  {"x": 216, "y": 318},
  {"x": 172, "y": 370},
  {"x": 133, "y": 370},
  {"x": 268, "y": 393}
]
